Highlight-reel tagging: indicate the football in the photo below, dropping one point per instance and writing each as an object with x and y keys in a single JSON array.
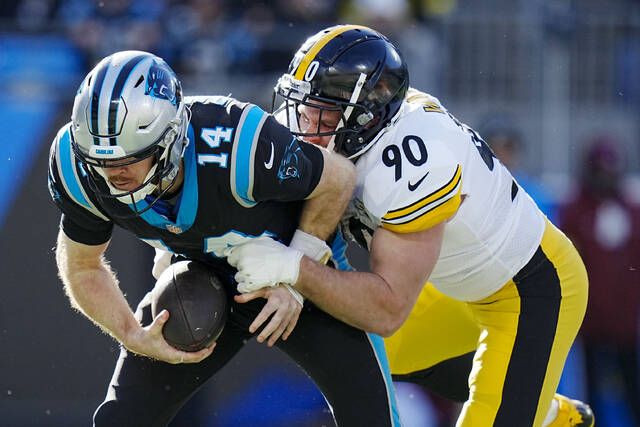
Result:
[{"x": 197, "y": 304}]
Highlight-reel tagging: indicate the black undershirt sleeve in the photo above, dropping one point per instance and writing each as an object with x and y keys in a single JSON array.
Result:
[{"x": 97, "y": 233}]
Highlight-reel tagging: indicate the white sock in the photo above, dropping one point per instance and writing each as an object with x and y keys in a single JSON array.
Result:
[{"x": 552, "y": 414}]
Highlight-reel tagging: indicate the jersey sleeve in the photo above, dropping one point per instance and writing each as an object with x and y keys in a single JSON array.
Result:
[
  {"x": 412, "y": 181},
  {"x": 81, "y": 221},
  {"x": 435, "y": 198},
  {"x": 269, "y": 163}
]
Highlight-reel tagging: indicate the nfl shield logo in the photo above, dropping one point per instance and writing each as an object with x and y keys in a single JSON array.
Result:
[{"x": 174, "y": 229}]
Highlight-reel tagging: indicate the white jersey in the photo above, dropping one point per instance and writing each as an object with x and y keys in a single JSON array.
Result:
[{"x": 425, "y": 168}]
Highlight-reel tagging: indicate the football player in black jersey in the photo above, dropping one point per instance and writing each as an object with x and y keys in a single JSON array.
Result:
[{"x": 197, "y": 176}]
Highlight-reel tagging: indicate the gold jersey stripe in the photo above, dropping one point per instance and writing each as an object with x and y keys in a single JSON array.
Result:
[
  {"x": 438, "y": 194},
  {"x": 433, "y": 216},
  {"x": 322, "y": 41}
]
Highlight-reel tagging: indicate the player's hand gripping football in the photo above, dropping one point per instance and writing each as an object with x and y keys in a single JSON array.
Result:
[
  {"x": 283, "y": 305},
  {"x": 149, "y": 341}
]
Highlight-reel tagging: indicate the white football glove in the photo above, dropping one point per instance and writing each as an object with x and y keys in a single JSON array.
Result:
[
  {"x": 263, "y": 262},
  {"x": 161, "y": 261},
  {"x": 313, "y": 247}
]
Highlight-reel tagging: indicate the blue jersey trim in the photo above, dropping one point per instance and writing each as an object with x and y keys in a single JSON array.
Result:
[
  {"x": 243, "y": 160},
  {"x": 68, "y": 173},
  {"x": 378, "y": 347},
  {"x": 339, "y": 258},
  {"x": 189, "y": 200},
  {"x": 339, "y": 253}
]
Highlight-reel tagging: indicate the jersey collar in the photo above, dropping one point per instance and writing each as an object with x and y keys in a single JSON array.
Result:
[{"x": 188, "y": 203}]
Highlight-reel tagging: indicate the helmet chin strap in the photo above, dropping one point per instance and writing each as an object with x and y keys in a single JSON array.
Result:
[{"x": 347, "y": 112}]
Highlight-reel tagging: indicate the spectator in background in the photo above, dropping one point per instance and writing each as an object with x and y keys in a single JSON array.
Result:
[
  {"x": 99, "y": 28},
  {"x": 248, "y": 39},
  {"x": 310, "y": 13},
  {"x": 606, "y": 229},
  {"x": 505, "y": 139},
  {"x": 195, "y": 34},
  {"x": 265, "y": 33}
]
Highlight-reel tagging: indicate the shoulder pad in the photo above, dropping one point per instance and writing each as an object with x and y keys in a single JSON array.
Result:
[
  {"x": 428, "y": 102},
  {"x": 64, "y": 166}
]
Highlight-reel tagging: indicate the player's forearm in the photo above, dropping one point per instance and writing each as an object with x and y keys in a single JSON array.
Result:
[
  {"x": 92, "y": 287},
  {"x": 325, "y": 207},
  {"x": 363, "y": 300},
  {"x": 96, "y": 294}
]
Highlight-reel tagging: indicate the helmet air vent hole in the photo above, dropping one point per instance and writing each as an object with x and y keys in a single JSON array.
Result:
[{"x": 140, "y": 80}]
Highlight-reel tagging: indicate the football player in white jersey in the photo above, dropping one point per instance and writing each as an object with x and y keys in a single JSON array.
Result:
[{"x": 431, "y": 202}]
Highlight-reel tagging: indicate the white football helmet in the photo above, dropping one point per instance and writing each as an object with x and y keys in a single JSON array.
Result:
[{"x": 128, "y": 108}]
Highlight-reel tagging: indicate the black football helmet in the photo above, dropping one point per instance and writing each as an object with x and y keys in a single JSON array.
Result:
[{"x": 350, "y": 69}]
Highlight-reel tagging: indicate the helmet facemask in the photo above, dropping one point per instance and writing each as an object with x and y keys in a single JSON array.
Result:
[
  {"x": 354, "y": 118},
  {"x": 167, "y": 151},
  {"x": 354, "y": 70}
]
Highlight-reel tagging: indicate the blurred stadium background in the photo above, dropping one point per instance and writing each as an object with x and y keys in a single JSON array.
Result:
[{"x": 559, "y": 74}]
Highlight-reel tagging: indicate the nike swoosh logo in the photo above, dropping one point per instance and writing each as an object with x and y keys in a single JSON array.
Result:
[
  {"x": 417, "y": 184},
  {"x": 269, "y": 164}
]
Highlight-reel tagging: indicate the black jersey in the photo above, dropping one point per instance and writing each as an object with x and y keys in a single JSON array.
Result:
[{"x": 245, "y": 176}]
